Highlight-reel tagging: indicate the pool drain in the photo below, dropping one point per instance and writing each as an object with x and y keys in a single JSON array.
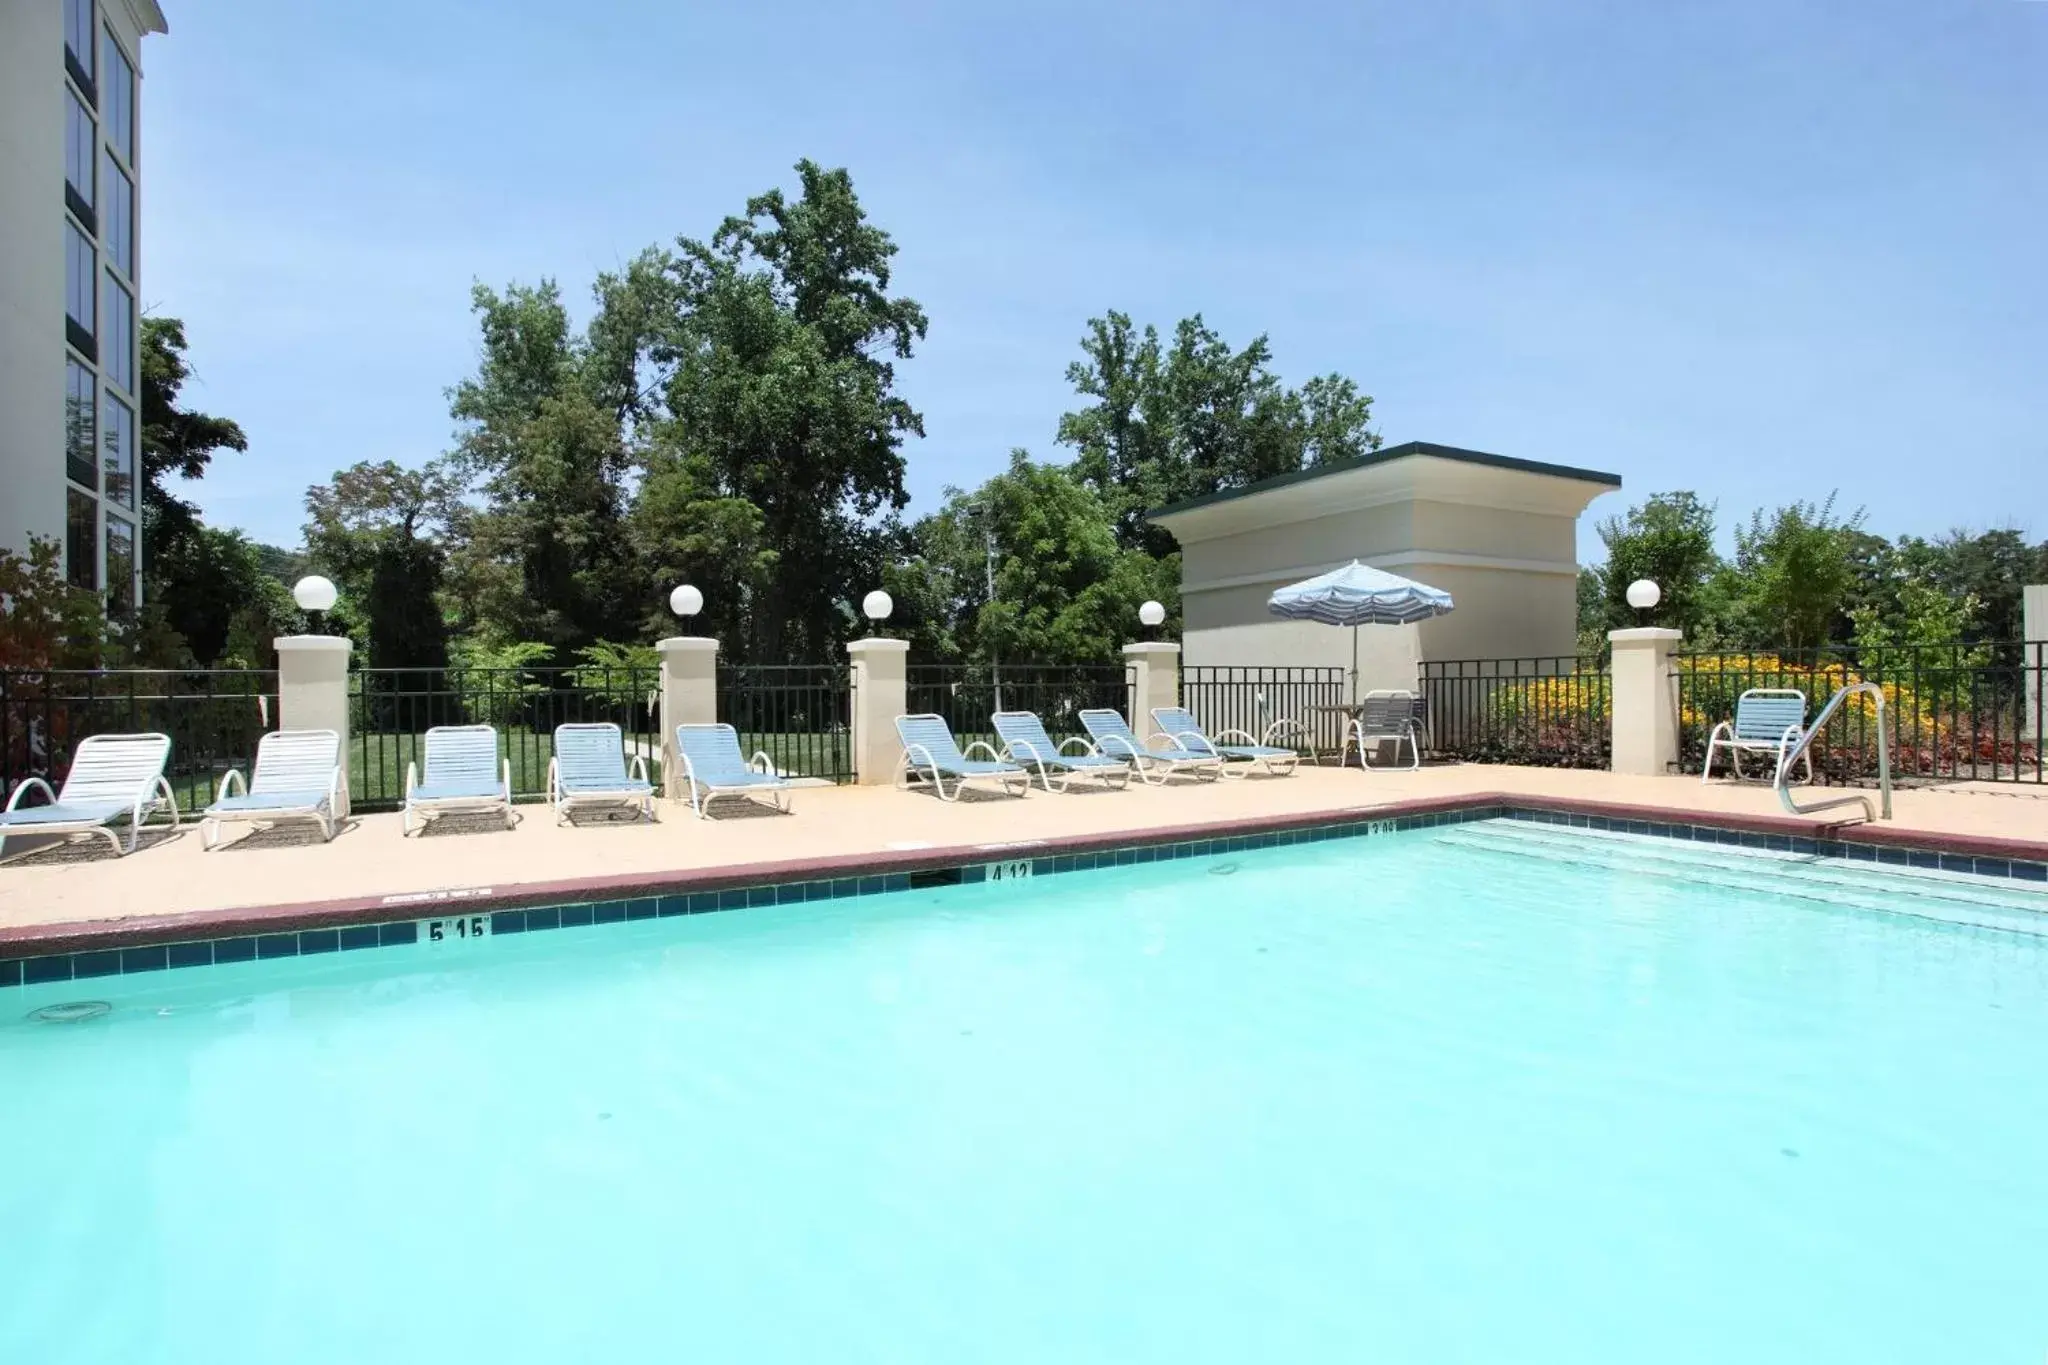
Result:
[
  {"x": 1224, "y": 871},
  {"x": 70, "y": 1013}
]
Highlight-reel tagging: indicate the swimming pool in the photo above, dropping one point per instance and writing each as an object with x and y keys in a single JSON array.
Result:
[{"x": 1481, "y": 1093}]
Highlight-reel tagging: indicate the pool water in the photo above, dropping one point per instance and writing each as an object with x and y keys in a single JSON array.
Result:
[{"x": 1426, "y": 1097}]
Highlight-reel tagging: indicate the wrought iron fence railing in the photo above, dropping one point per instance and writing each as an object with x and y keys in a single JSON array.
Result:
[
  {"x": 1251, "y": 698},
  {"x": 800, "y": 715},
  {"x": 1551, "y": 711},
  {"x": 1953, "y": 713},
  {"x": 391, "y": 709},
  {"x": 967, "y": 695},
  {"x": 213, "y": 716}
]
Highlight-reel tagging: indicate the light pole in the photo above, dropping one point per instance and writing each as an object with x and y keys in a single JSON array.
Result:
[{"x": 315, "y": 596}]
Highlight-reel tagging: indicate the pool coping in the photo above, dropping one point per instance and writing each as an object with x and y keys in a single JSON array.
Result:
[{"x": 139, "y": 943}]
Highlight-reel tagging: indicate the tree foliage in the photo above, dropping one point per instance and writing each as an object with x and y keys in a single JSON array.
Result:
[
  {"x": 379, "y": 531},
  {"x": 1169, "y": 423}
]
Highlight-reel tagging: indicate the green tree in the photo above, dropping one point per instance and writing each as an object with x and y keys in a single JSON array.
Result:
[
  {"x": 376, "y": 530},
  {"x": 545, "y": 556},
  {"x": 1795, "y": 571},
  {"x": 219, "y": 605},
  {"x": 44, "y": 621},
  {"x": 1170, "y": 423},
  {"x": 185, "y": 572},
  {"x": 1065, "y": 591},
  {"x": 756, "y": 371},
  {"x": 1668, "y": 539}
]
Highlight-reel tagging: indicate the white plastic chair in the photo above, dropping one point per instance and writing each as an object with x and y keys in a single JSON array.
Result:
[
  {"x": 1768, "y": 720},
  {"x": 297, "y": 776},
  {"x": 110, "y": 776},
  {"x": 463, "y": 773},
  {"x": 588, "y": 768}
]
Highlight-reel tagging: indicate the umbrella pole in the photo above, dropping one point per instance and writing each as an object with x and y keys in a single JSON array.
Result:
[{"x": 1354, "y": 665}]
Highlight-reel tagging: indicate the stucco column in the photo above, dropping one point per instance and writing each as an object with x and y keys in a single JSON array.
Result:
[
  {"x": 2034, "y": 630},
  {"x": 1645, "y": 701},
  {"x": 689, "y": 696},
  {"x": 880, "y": 695},
  {"x": 312, "y": 690},
  {"x": 1155, "y": 681}
]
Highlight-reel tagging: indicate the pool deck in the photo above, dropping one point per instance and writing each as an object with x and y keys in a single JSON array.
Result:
[{"x": 62, "y": 899}]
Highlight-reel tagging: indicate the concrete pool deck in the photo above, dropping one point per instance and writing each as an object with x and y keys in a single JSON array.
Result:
[{"x": 68, "y": 897}]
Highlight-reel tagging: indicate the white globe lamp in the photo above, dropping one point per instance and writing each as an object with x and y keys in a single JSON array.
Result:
[
  {"x": 315, "y": 595},
  {"x": 686, "y": 601},
  {"x": 1643, "y": 594},
  {"x": 877, "y": 605},
  {"x": 1152, "y": 614}
]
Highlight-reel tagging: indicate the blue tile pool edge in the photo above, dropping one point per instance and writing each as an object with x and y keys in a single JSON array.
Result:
[{"x": 88, "y": 964}]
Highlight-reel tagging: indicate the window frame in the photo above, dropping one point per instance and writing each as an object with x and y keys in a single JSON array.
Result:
[
  {"x": 73, "y": 499},
  {"x": 118, "y": 111},
  {"x": 117, "y": 229},
  {"x": 122, "y": 333},
  {"x": 82, "y": 200},
  {"x": 82, "y": 67},
  {"x": 82, "y": 333},
  {"x": 110, "y": 434},
  {"x": 122, "y": 593},
  {"x": 92, "y": 459}
]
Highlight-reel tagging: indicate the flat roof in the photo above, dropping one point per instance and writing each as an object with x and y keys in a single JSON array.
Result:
[{"x": 1391, "y": 453}]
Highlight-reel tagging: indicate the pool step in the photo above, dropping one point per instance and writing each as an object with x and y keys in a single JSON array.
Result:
[{"x": 1952, "y": 897}]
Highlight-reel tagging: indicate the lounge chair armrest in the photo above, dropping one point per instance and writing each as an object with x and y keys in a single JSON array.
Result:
[
  {"x": 231, "y": 778},
  {"x": 986, "y": 748},
  {"x": 1279, "y": 728},
  {"x": 761, "y": 763},
  {"x": 1222, "y": 735},
  {"x": 1020, "y": 751},
  {"x": 638, "y": 767},
  {"x": 1087, "y": 746},
  {"x": 21, "y": 789}
]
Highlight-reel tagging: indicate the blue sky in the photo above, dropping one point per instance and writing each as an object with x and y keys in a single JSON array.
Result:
[{"x": 1758, "y": 249}]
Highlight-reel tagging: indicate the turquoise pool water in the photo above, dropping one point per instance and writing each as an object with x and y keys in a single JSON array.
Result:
[{"x": 1446, "y": 1096}]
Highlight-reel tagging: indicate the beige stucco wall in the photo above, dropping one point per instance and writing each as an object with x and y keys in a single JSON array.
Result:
[
  {"x": 31, "y": 271},
  {"x": 1503, "y": 543}
]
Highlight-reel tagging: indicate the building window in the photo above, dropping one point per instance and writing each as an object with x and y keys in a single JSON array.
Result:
[
  {"x": 119, "y": 452},
  {"x": 78, "y": 42},
  {"x": 82, "y": 541},
  {"x": 80, "y": 142},
  {"x": 120, "y": 102},
  {"x": 120, "y": 567},
  {"x": 81, "y": 276},
  {"x": 118, "y": 355},
  {"x": 78, "y": 425},
  {"x": 117, "y": 217}
]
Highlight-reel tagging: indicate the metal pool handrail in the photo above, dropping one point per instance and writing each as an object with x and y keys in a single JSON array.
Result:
[{"x": 1884, "y": 759}]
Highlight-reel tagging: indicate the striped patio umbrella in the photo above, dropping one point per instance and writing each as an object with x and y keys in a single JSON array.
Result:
[{"x": 1359, "y": 595}]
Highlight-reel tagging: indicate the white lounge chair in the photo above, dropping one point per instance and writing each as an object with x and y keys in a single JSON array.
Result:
[
  {"x": 1026, "y": 743},
  {"x": 1768, "y": 720},
  {"x": 588, "y": 768},
  {"x": 110, "y": 776},
  {"x": 712, "y": 766},
  {"x": 1154, "y": 762},
  {"x": 1180, "y": 723},
  {"x": 1383, "y": 716},
  {"x": 463, "y": 773},
  {"x": 297, "y": 777},
  {"x": 930, "y": 751}
]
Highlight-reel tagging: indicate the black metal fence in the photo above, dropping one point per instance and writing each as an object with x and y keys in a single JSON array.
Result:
[
  {"x": 213, "y": 716},
  {"x": 1550, "y": 711},
  {"x": 968, "y": 694},
  {"x": 1953, "y": 713},
  {"x": 391, "y": 709},
  {"x": 800, "y": 715},
  {"x": 1251, "y": 699}
]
